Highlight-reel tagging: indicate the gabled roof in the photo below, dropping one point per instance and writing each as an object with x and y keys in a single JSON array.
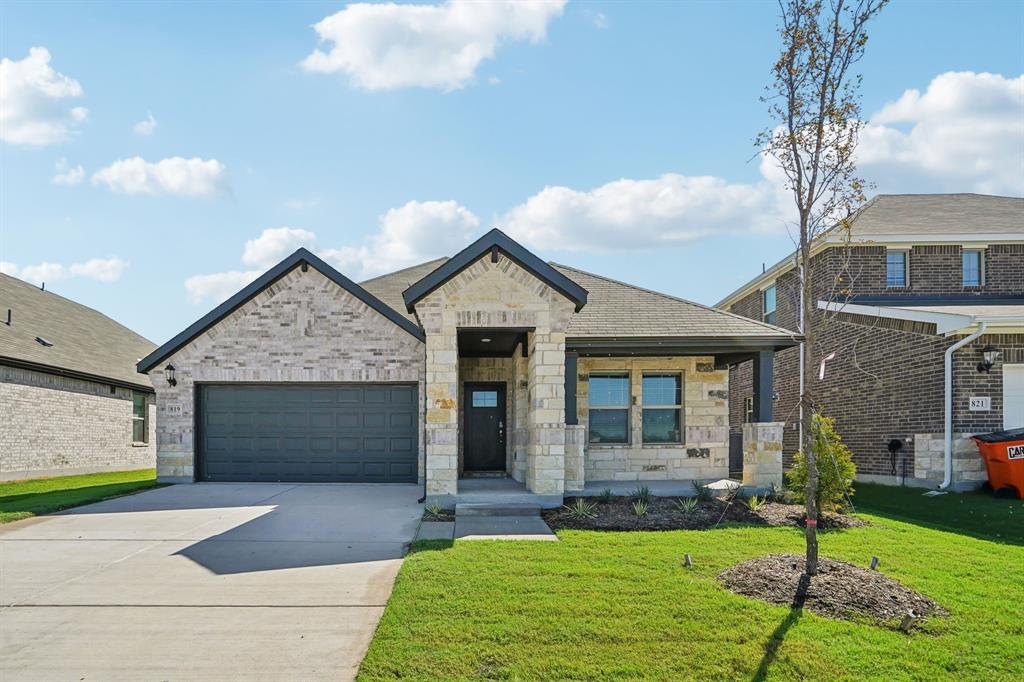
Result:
[
  {"x": 495, "y": 241},
  {"x": 262, "y": 282},
  {"x": 85, "y": 342}
]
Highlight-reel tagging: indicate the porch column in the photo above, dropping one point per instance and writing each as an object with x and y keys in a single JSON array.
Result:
[
  {"x": 545, "y": 471},
  {"x": 763, "y": 386},
  {"x": 442, "y": 413}
]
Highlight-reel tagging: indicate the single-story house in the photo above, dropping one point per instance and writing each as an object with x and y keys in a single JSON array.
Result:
[
  {"x": 491, "y": 363},
  {"x": 71, "y": 399}
]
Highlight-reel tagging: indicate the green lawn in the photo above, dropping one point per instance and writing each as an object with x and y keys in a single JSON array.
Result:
[
  {"x": 22, "y": 499},
  {"x": 621, "y": 606},
  {"x": 979, "y": 514}
]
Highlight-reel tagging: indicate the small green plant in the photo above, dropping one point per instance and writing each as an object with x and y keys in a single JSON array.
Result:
[
  {"x": 581, "y": 509},
  {"x": 435, "y": 509},
  {"x": 687, "y": 505},
  {"x": 836, "y": 469},
  {"x": 755, "y": 503},
  {"x": 777, "y": 493},
  {"x": 605, "y": 497},
  {"x": 640, "y": 508},
  {"x": 642, "y": 494},
  {"x": 703, "y": 492}
]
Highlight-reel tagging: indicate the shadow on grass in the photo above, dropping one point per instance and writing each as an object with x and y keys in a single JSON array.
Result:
[
  {"x": 771, "y": 647},
  {"x": 430, "y": 546},
  {"x": 34, "y": 504}
]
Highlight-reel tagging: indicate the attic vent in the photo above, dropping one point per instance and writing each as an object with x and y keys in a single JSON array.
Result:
[{"x": 43, "y": 342}]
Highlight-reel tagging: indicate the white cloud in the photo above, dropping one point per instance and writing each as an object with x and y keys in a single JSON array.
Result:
[
  {"x": 99, "y": 269},
  {"x": 66, "y": 175},
  {"x": 965, "y": 133},
  {"x": 146, "y": 126},
  {"x": 176, "y": 175},
  {"x": 32, "y": 106},
  {"x": 274, "y": 244},
  {"x": 600, "y": 21},
  {"x": 388, "y": 46},
  {"x": 219, "y": 286}
]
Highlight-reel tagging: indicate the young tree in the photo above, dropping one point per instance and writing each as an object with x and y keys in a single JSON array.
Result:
[{"x": 813, "y": 100}]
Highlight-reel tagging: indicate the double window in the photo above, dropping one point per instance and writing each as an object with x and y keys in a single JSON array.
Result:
[
  {"x": 140, "y": 418},
  {"x": 661, "y": 411},
  {"x": 973, "y": 268},
  {"x": 896, "y": 269},
  {"x": 768, "y": 301}
]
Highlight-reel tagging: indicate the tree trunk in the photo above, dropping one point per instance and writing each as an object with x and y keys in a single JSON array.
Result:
[{"x": 809, "y": 330}]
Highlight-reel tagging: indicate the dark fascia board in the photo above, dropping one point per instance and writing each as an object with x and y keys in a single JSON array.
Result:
[
  {"x": 708, "y": 345},
  {"x": 934, "y": 299},
  {"x": 74, "y": 374},
  {"x": 496, "y": 240},
  {"x": 259, "y": 284}
]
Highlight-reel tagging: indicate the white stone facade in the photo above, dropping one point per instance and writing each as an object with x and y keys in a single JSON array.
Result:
[
  {"x": 930, "y": 460},
  {"x": 762, "y": 454},
  {"x": 54, "y": 425}
]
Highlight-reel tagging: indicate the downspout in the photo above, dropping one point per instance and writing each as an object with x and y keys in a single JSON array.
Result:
[{"x": 948, "y": 426}]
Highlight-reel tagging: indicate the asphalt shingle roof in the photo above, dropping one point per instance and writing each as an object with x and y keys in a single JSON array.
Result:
[
  {"x": 890, "y": 214},
  {"x": 84, "y": 340},
  {"x": 388, "y": 288}
]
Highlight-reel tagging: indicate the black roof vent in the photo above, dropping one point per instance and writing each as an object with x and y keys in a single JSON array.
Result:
[{"x": 43, "y": 342}]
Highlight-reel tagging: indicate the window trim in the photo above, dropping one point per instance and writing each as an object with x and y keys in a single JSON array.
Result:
[
  {"x": 144, "y": 418},
  {"x": 681, "y": 378},
  {"x": 624, "y": 408},
  {"x": 773, "y": 313},
  {"x": 981, "y": 268},
  {"x": 748, "y": 409},
  {"x": 906, "y": 268}
]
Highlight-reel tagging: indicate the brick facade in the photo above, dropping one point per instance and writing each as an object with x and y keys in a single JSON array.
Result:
[
  {"x": 887, "y": 379},
  {"x": 56, "y": 425}
]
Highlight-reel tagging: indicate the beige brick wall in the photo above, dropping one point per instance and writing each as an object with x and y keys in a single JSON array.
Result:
[
  {"x": 930, "y": 459},
  {"x": 53, "y": 425},
  {"x": 704, "y": 454},
  {"x": 762, "y": 453},
  {"x": 303, "y": 328}
]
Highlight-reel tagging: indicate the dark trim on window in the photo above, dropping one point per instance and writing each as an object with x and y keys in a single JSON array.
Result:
[
  {"x": 571, "y": 417},
  {"x": 258, "y": 285},
  {"x": 495, "y": 242},
  {"x": 73, "y": 374},
  {"x": 669, "y": 346}
]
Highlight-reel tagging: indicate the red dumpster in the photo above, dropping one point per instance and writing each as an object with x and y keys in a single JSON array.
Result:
[{"x": 1003, "y": 452}]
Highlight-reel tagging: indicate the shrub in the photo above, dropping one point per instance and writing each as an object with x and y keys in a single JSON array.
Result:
[
  {"x": 687, "y": 505},
  {"x": 605, "y": 497},
  {"x": 755, "y": 503},
  {"x": 835, "y": 466},
  {"x": 642, "y": 494},
  {"x": 435, "y": 509},
  {"x": 702, "y": 491},
  {"x": 581, "y": 509},
  {"x": 640, "y": 508}
]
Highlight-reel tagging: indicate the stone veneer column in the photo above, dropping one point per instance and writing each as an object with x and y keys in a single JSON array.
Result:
[
  {"x": 762, "y": 453},
  {"x": 442, "y": 421},
  {"x": 545, "y": 471},
  {"x": 575, "y": 448}
]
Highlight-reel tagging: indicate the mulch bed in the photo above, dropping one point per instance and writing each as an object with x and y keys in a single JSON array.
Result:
[
  {"x": 662, "y": 514},
  {"x": 839, "y": 590},
  {"x": 443, "y": 516}
]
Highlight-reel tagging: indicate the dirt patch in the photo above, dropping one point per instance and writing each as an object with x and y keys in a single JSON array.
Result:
[
  {"x": 839, "y": 590},
  {"x": 664, "y": 514}
]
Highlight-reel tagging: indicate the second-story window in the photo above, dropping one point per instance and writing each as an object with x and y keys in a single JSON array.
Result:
[
  {"x": 768, "y": 300},
  {"x": 896, "y": 269},
  {"x": 973, "y": 275}
]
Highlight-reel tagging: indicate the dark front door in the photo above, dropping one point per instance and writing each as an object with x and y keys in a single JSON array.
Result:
[{"x": 483, "y": 432}]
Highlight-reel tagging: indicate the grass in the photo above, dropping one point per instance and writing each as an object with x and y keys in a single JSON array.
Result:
[
  {"x": 23, "y": 499},
  {"x": 978, "y": 514},
  {"x": 622, "y": 606}
]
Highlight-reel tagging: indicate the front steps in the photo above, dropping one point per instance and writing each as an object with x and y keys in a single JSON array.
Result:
[{"x": 496, "y": 509}]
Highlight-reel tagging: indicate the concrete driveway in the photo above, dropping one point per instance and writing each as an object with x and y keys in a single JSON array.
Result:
[{"x": 203, "y": 582}]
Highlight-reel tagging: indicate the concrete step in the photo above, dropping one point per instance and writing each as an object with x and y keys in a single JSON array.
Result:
[{"x": 497, "y": 509}]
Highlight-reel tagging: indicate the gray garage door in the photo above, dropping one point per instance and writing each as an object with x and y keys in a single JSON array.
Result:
[{"x": 325, "y": 432}]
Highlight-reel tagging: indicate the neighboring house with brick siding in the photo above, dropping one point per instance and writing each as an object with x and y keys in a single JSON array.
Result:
[
  {"x": 71, "y": 399},
  {"x": 916, "y": 275},
  {"x": 492, "y": 364}
]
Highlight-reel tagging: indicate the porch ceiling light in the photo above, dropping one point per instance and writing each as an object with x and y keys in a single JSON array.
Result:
[
  {"x": 485, "y": 340},
  {"x": 169, "y": 375},
  {"x": 989, "y": 356}
]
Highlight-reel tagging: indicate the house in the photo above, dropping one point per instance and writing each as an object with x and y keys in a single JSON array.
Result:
[
  {"x": 919, "y": 278},
  {"x": 491, "y": 363},
  {"x": 71, "y": 400}
]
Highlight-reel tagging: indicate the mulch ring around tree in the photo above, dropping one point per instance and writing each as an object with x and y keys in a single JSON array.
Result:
[
  {"x": 663, "y": 514},
  {"x": 839, "y": 590}
]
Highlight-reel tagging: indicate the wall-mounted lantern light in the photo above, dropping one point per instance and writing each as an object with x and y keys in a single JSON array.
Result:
[
  {"x": 989, "y": 356},
  {"x": 169, "y": 375}
]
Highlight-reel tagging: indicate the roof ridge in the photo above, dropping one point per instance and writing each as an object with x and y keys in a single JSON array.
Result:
[
  {"x": 405, "y": 269},
  {"x": 788, "y": 332}
]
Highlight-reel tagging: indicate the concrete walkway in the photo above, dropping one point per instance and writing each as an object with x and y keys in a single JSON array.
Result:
[{"x": 203, "y": 582}]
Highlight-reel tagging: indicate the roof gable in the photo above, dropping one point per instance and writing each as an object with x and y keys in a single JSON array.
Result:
[
  {"x": 495, "y": 242},
  {"x": 300, "y": 257}
]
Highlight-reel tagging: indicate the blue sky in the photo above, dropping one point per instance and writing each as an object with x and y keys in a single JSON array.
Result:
[{"x": 393, "y": 147}]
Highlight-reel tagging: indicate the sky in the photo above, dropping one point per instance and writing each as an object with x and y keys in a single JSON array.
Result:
[{"x": 155, "y": 157}]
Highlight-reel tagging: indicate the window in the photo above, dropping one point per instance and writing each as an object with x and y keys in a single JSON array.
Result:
[
  {"x": 608, "y": 400},
  {"x": 140, "y": 418},
  {"x": 973, "y": 276},
  {"x": 768, "y": 298},
  {"x": 896, "y": 269},
  {"x": 662, "y": 408},
  {"x": 485, "y": 398},
  {"x": 748, "y": 409}
]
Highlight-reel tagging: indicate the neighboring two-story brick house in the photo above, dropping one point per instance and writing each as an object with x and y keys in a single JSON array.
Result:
[{"x": 916, "y": 275}]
